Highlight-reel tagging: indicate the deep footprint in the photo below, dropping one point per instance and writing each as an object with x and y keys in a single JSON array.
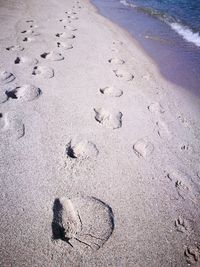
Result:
[
  {"x": 54, "y": 56},
  {"x": 82, "y": 149},
  {"x": 25, "y": 92},
  {"x": 25, "y": 61},
  {"x": 85, "y": 221},
  {"x": 111, "y": 91},
  {"x": 112, "y": 120},
  {"x": 43, "y": 71}
]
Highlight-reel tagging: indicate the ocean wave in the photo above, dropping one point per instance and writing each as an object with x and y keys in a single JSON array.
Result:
[
  {"x": 186, "y": 33},
  {"x": 125, "y": 3}
]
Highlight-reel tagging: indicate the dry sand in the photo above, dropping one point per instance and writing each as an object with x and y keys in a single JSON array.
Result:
[{"x": 99, "y": 154}]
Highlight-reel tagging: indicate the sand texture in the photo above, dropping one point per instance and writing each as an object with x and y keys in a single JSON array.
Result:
[{"x": 99, "y": 155}]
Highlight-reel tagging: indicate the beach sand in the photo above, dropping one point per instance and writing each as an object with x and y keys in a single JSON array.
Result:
[{"x": 99, "y": 161}]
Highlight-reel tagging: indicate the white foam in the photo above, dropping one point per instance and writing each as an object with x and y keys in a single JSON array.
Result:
[
  {"x": 125, "y": 3},
  {"x": 186, "y": 33}
]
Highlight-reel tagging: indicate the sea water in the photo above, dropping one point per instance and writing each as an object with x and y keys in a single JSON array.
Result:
[
  {"x": 183, "y": 16},
  {"x": 169, "y": 32}
]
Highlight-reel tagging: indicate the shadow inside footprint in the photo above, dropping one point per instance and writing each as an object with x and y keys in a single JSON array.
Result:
[
  {"x": 44, "y": 55},
  {"x": 12, "y": 94},
  {"x": 58, "y": 231},
  {"x": 17, "y": 60},
  {"x": 70, "y": 152}
]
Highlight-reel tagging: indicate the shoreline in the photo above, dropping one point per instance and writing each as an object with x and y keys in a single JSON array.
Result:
[
  {"x": 99, "y": 154},
  {"x": 159, "y": 42}
]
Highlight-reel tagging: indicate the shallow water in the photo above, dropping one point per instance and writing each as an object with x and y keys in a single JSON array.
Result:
[{"x": 177, "y": 59}]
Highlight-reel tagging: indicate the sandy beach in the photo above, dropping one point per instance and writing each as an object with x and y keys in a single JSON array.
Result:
[{"x": 99, "y": 162}]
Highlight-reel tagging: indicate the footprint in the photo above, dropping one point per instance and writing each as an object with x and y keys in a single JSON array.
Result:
[
  {"x": 3, "y": 122},
  {"x": 186, "y": 147},
  {"x": 3, "y": 97},
  {"x": 112, "y": 120},
  {"x": 28, "y": 39},
  {"x": 182, "y": 225},
  {"x": 15, "y": 48},
  {"x": 25, "y": 92},
  {"x": 12, "y": 127},
  {"x": 192, "y": 254},
  {"x": 43, "y": 71},
  {"x": 54, "y": 56},
  {"x": 6, "y": 77},
  {"x": 33, "y": 26},
  {"x": 163, "y": 130},
  {"x": 143, "y": 148},
  {"x": 65, "y": 35},
  {"x": 183, "y": 185},
  {"x": 71, "y": 28},
  {"x": 31, "y": 32},
  {"x": 70, "y": 12},
  {"x": 72, "y": 17},
  {"x": 82, "y": 149},
  {"x": 116, "y": 61},
  {"x": 85, "y": 221},
  {"x": 183, "y": 120},
  {"x": 27, "y": 31},
  {"x": 156, "y": 108},
  {"x": 64, "y": 45},
  {"x": 111, "y": 91},
  {"x": 118, "y": 42},
  {"x": 63, "y": 20},
  {"x": 26, "y": 61},
  {"x": 123, "y": 74}
]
